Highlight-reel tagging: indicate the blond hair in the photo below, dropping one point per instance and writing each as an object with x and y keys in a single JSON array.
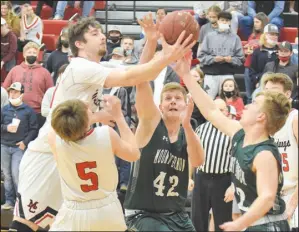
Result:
[
  {"x": 31, "y": 45},
  {"x": 280, "y": 78},
  {"x": 276, "y": 106},
  {"x": 199, "y": 71},
  {"x": 173, "y": 86},
  {"x": 70, "y": 120}
]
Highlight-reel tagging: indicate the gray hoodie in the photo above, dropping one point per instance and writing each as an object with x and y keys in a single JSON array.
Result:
[{"x": 218, "y": 43}]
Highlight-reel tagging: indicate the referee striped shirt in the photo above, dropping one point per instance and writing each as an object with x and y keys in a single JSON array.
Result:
[{"x": 217, "y": 146}]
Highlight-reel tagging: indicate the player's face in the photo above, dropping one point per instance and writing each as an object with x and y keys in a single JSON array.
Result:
[
  {"x": 252, "y": 112},
  {"x": 229, "y": 86},
  {"x": 173, "y": 104},
  {"x": 95, "y": 41},
  {"x": 276, "y": 87}
]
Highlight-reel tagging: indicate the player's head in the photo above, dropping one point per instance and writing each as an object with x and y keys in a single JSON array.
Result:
[
  {"x": 86, "y": 37},
  {"x": 212, "y": 14},
  {"x": 224, "y": 20},
  {"x": 71, "y": 120},
  {"x": 173, "y": 100},
  {"x": 277, "y": 82},
  {"x": 268, "y": 111},
  {"x": 221, "y": 105}
]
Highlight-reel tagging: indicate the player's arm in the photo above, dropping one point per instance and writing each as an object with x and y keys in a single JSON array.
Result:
[
  {"x": 203, "y": 101},
  {"x": 267, "y": 183}
]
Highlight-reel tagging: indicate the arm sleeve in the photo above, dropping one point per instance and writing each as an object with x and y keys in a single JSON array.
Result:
[
  {"x": 33, "y": 128},
  {"x": 253, "y": 67},
  {"x": 49, "y": 65},
  {"x": 238, "y": 57},
  {"x": 12, "y": 49},
  {"x": 204, "y": 56},
  {"x": 277, "y": 10}
]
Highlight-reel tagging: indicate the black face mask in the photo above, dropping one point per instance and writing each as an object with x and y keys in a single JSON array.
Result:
[
  {"x": 65, "y": 43},
  {"x": 31, "y": 59},
  {"x": 114, "y": 39},
  {"x": 229, "y": 94}
]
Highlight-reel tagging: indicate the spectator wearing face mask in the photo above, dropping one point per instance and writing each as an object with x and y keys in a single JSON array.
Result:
[
  {"x": 265, "y": 53},
  {"x": 18, "y": 128},
  {"x": 200, "y": 10},
  {"x": 117, "y": 56},
  {"x": 34, "y": 77},
  {"x": 221, "y": 53},
  {"x": 212, "y": 25},
  {"x": 59, "y": 56},
  {"x": 260, "y": 21},
  {"x": 127, "y": 44},
  {"x": 114, "y": 39}
]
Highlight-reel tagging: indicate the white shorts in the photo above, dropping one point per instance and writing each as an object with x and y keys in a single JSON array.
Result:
[
  {"x": 39, "y": 194},
  {"x": 294, "y": 220},
  {"x": 95, "y": 215}
]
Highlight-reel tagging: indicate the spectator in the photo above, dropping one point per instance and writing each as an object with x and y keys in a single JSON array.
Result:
[
  {"x": 34, "y": 77},
  {"x": 273, "y": 9},
  {"x": 283, "y": 64},
  {"x": 12, "y": 20},
  {"x": 127, "y": 44},
  {"x": 201, "y": 7},
  {"x": 212, "y": 25},
  {"x": 266, "y": 53},
  {"x": 294, "y": 58},
  {"x": 212, "y": 186},
  {"x": 59, "y": 56},
  {"x": 260, "y": 21},
  {"x": 231, "y": 95},
  {"x": 114, "y": 39},
  {"x": 31, "y": 28},
  {"x": 221, "y": 52},
  {"x": 46, "y": 102},
  {"x": 8, "y": 47},
  {"x": 50, "y": 3},
  {"x": 4, "y": 97},
  {"x": 18, "y": 127},
  {"x": 160, "y": 15},
  {"x": 117, "y": 56},
  {"x": 238, "y": 9},
  {"x": 61, "y": 5}
]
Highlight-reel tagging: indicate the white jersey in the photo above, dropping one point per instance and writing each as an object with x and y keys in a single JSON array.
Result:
[
  {"x": 87, "y": 167},
  {"x": 82, "y": 79},
  {"x": 288, "y": 147}
]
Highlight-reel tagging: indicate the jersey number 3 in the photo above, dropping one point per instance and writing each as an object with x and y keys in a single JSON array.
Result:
[
  {"x": 159, "y": 184},
  {"x": 93, "y": 177}
]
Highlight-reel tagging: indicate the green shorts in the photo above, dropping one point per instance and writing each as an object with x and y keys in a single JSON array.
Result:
[
  {"x": 145, "y": 221},
  {"x": 282, "y": 225}
]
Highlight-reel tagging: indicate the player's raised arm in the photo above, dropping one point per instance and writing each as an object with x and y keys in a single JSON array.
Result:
[{"x": 204, "y": 103}]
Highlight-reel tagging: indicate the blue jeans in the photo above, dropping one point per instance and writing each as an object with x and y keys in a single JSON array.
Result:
[
  {"x": 248, "y": 85},
  {"x": 124, "y": 168},
  {"x": 61, "y": 5},
  {"x": 246, "y": 24},
  {"x": 10, "y": 162}
]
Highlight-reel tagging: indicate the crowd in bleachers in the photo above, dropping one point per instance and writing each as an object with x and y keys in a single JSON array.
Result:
[{"x": 242, "y": 34}]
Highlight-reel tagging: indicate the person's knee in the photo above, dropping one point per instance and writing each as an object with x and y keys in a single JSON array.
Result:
[
  {"x": 246, "y": 21},
  {"x": 19, "y": 226},
  {"x": 277, "y": 21}
]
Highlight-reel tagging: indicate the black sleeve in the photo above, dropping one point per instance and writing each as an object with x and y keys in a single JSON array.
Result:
[{"x": 33, "y": 128}]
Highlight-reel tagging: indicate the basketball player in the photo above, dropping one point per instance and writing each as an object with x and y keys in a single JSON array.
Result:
[
  {"x": 287, "y": 141},
  {"x": 76, "y": 147},
  {"x": 39, "y": 193},
  {"x": 258, "y": 186}
]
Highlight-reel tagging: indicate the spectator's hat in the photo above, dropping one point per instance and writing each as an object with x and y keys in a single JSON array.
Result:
[
  {"x": 114, "y": 28},
  {"x": 3, "y": 21},
  {"x": 118, "y": 51},
  {"x": 16, "y": 86},
  {"x": 285, "y": 45},
  {"x": 271, "y": 28},
  {"x": 232, "y": 110}
]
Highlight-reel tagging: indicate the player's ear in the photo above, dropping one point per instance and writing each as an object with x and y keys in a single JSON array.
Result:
[{"x": 79, "y": 44}]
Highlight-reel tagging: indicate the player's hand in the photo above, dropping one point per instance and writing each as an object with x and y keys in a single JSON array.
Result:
[
  {"x": 149, "y": 27},
  {"x": 231, "y": 226},
  {"x": 219, "y": 59},
  {"x": 229, "y": 194},
  {"x": 103, "y": 117},
  {"x": 112, "y": 105},
  {"x": 290, "y": 209},
  {"x": 187, "y": 113},
  {"x": 228, "y": 59},
  {"x": 172, "y": 53},
  {"x": 190, "y": 185},
  {"x": 12, "y": 128},
  {"x": 182, "y": 66},
  {"x": 21, "y": 145}
]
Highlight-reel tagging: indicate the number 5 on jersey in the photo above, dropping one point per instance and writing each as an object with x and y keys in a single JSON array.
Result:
[
  {"x": 159, "y": 184},
  {"x": 92, "y": 176}
]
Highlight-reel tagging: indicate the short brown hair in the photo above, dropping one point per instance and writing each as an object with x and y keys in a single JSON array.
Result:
[
  {"x": 173, "y": 86},
  {"x": 280, "y": 78},
  {"x": 276, "y": 106},
  {"x": 70, "y": 120},
  {"x": 216, "y": 9},
  {"x": 76, "y": 32},
  {"x": 31, "y": 45}
]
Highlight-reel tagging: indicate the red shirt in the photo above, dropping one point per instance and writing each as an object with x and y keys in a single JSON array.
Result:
[{"x": 253, "y": 41}]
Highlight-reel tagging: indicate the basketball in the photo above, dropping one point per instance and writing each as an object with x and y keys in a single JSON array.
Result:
[{"x": 175, "y": 22}]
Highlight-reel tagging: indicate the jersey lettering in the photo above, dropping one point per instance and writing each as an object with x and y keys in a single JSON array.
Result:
[
  {"x": 159, "y": 184},
  {"x": 92, "y": 176}
]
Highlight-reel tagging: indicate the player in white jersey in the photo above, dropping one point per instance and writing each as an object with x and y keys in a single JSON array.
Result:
[
  {"x": 287, "y": 141},
  {"x": 39, "y": 194},
  {"x": 86, "y": 164}
]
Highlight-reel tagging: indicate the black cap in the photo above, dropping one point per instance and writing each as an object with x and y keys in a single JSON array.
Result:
[{"x": 285, "y": 45}]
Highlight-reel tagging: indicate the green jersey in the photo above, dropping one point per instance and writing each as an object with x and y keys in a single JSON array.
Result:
[
  {"x": 159, "y": 179},
  {"x": 244, "y": 178}
]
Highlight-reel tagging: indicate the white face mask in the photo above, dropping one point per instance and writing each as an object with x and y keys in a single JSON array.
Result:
[
  {"x": 270, "y": 41},
  {"x": 223, "y": 26},
  {"x": 16, "y": 101}
]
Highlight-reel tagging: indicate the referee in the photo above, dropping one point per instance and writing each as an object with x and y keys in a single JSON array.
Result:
[{"x": 212, "y": 179}]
